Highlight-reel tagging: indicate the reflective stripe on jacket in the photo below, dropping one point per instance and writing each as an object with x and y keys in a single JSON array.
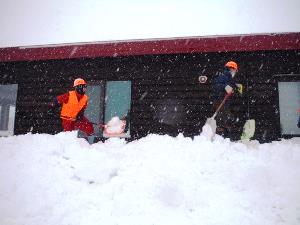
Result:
[{"x": 70, "y": 109}]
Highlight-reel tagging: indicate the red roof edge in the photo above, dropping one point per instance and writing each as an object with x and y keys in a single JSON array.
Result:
[{"x": 281, "y": 41}]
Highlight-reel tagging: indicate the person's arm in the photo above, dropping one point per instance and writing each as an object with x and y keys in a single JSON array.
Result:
[
  {"x": 59, "y": 100},
  {"x": 229, "y": 86},
  {"x": 64, "y": 98},
  {"x": 81, "y": 113}
]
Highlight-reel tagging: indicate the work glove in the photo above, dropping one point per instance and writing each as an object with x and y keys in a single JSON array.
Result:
[
  {"x": 229, "y": 90},
  {"x": 240, "y": 88}
]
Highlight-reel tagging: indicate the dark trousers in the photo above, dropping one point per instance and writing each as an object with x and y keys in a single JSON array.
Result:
[{"x": 225, "y": 120}]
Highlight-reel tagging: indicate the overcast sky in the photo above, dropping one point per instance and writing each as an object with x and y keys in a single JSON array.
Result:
[{"x": 38, "y": 22}]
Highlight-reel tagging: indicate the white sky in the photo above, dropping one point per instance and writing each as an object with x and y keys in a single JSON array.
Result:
[{"x": 36, "y": 22}]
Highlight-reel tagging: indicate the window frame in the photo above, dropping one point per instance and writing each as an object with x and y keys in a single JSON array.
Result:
[
  {"x": 284, "y": 78},
  {"x": 11, "y": 115},
  {"x": 103, "y": 103}
]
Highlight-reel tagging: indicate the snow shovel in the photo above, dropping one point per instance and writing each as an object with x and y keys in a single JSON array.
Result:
[
  {"x": 89, "y": 138},
  {"x": 248, "y": 130},
  {"x": 98, "y": 124},
  {"x": 210, "y": 127},
  {"x": 249, "y": 126}
]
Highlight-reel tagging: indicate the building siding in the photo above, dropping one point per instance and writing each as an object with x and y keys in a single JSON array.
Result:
[{"x": 166, "y": 95}]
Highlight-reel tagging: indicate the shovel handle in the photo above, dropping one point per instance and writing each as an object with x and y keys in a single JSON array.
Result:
[
  {"x": 99, "y": 125},
  {"x": 221, "y": 105},
  {"x": 215, "y": 114}
]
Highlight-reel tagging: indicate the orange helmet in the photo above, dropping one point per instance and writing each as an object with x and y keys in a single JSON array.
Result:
[
  {"x": 79, "y": 81},
  {"x": 231, "y": 64}
]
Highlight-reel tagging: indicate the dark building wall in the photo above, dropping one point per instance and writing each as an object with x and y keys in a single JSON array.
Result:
[{"x": 166, "y": 95}]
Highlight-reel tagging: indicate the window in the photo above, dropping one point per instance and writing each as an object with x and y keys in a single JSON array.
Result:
[
  {"x": 95, "y": 109},
  {"x": 8, "y": 97},
  {"x": 107, "y": 100},
  {"x": 289, "y": 103}
]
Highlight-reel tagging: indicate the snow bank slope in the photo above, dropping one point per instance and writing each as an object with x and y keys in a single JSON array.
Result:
[{"x": 59, "y": 179}]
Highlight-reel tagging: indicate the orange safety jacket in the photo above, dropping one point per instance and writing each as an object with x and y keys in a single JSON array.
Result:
[{"x": 70, "y": 109}]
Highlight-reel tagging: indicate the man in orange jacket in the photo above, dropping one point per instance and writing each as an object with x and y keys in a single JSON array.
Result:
[{"x": 73, "y": 105}]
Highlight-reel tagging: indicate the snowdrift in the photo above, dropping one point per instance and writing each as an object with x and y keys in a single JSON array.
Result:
[{"x": 161, "y": 180}]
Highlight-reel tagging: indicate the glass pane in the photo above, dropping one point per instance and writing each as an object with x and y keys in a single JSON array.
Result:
[
  {"x": 4, "y": 115},
  {"x": 94, "y": 111},
  {"x": 8, "y": 97},
  {"x": 289, "y": 102},
  {"x": 118, "y": 101}
]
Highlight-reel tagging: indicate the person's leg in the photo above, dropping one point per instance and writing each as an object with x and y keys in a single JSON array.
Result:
[
  {"x": 224, "y": 121},
  {"x": 220, "y": 120},
  {"x": 229, "y": 125},
  {"x": 85, "y": 125},
  {"x": 68, "y": 125}
]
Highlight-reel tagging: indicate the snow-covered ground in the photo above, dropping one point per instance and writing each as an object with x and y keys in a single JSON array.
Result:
[{"x": 157, "y": 180}]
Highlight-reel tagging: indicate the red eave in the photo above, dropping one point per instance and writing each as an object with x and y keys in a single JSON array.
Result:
[{"x": 285, "y": 41}]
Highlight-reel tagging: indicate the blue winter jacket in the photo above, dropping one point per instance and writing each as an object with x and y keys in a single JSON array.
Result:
[{"x": 219, "y": 84}]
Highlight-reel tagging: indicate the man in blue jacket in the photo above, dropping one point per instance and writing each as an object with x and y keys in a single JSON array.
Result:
[{"x": 224, "y": 84}]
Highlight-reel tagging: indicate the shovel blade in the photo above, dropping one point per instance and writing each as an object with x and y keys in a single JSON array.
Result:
[
  {"x": 209, "y": 129},
  {"x": 248, "y": 130}
]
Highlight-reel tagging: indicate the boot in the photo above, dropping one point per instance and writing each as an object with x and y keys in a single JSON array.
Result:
[{"x": 91, "y": 139}]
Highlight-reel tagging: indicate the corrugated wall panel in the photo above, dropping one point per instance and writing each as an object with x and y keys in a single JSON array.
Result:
[{"x": 166, "y": 95}]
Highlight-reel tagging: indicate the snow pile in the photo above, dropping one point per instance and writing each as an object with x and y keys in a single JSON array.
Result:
[
  {"x": 59, "y": 179},
  {"x": 115, "y": 126}
]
